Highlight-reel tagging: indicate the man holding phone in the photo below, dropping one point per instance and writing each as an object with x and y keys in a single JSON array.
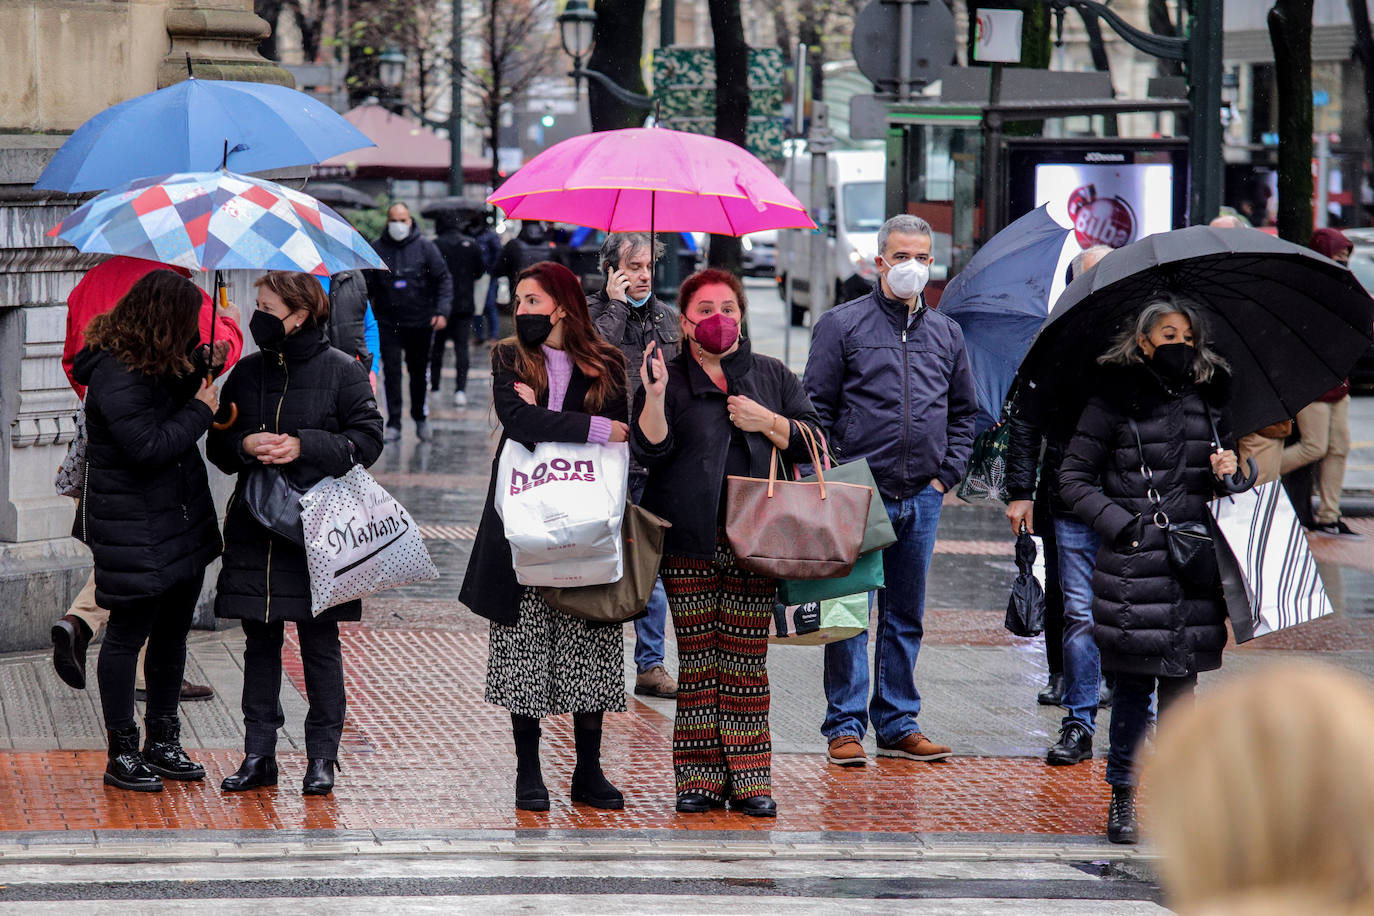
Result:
[{"x": 627, "y": 314}]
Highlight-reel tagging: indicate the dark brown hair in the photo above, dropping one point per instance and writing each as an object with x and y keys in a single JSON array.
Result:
[
  {"x": 598, "y": 360},
  {"x": 152, "y": 328},
  {"x": 706, "y": 277},
  {"x": 300, "y": 292}
]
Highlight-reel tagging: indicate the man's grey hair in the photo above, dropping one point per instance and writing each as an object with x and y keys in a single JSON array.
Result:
[
  {"x": 613, "y": 248},
  {"x": 1125, "y": 350},
  {"x": 1228, "y": 221},
  {"x": 1095, "y": 253},
  {"x": 904, "y": 223}
]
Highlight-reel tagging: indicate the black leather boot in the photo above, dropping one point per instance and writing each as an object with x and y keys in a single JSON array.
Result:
[
  {"x": 1052, "y": 694},
  {"x": 319, "y": 776},
  {"x": 163, "y": 752},
  {"x": 589, "y": 785},
  {"x": 530, "y": 791},
  {"x": 70, "y": 637},
  {"x": 1121, "y": 825},
  {"x": 757, "y": 806},
  {"x": 255, "y": 771},
  {"x": 1075, "y": 745},
  {"x": 126, "y": 768}
]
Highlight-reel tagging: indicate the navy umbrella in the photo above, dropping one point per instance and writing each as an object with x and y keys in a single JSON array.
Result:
[
  {"x": 1290, "y": 322},
  {"x": 196, "y": 126},
  {"x": 1000, "y": 299}
]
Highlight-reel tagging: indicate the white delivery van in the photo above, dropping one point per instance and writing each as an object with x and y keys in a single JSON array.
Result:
[{"x": 855, "y": 208}]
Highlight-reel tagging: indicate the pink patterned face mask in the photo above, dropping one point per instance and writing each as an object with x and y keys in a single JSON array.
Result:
[{"x": 716, "y": 333}]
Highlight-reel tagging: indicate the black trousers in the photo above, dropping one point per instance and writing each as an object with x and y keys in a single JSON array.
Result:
[
  {"x": 457, "y": 330},
  {"x": 163, "y": 622},
  {"x": 410, "y": 345},
  {"x": 322, "y": 658},
  {"x": 1054, "y": 599}
]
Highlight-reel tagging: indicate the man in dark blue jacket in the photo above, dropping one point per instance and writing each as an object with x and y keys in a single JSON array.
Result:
[
  {"x": 890, "y": 380},
  {"x": 411, "y": 303}
]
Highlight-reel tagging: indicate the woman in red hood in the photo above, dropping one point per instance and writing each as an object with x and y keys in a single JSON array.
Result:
[{"x": 1324, "y": 427}]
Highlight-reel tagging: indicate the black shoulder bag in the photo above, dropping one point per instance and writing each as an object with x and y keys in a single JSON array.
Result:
[
  {"x": 269, "y": 493},
  {"x": 1192, "y": 554}
]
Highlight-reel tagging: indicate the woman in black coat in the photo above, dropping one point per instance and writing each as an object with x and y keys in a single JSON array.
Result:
[
  {"x": 557, "y": 381},
  {"x": 146, "y": 513},
  {"x": 305, "y": 410},
  {"x": 1154, "y": 629},
  {"x": 717, "y": 409}
]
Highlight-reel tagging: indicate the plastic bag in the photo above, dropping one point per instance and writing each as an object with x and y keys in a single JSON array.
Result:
[{"x": 1026, "y": 606}]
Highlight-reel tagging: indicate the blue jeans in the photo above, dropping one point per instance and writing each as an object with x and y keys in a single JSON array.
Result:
[
  {"x": 1077, "y": 546},
  {"x": 901, "y": 607},
  {"x": 649, "y": 629},
  {"x": 1131, "y": 716}
]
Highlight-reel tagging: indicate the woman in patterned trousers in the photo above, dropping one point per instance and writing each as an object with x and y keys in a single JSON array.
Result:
[
  {"x": 557, "y": 381},
  {"x": 717, "y": 409}
]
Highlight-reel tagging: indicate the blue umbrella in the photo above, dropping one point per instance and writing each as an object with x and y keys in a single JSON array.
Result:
[
  {"x": 195, "y": 126},
  {"x": 1000, "y": 299}
]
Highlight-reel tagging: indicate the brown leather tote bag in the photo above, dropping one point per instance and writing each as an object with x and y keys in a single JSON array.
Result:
[{"x": 792, "y": 529}]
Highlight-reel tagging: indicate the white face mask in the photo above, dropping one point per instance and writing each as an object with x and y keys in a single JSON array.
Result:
[
  {"x": 398, "y": 230},
  {"x": 907, "y": 278}
]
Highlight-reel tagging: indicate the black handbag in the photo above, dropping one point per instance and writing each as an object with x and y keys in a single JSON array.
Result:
[
  {"x": 274, "y": 501},
  {"x": 1192, "y": 552}
]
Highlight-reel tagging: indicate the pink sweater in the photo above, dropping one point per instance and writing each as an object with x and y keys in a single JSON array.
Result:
[{"x": 560, "y": 367}]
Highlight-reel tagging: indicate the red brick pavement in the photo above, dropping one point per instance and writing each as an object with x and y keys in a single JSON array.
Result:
[{"x": 422, "y": 750}]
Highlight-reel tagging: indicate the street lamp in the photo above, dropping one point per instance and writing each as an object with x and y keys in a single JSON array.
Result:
[
  {"x": 577, "y": 31},
  {"x": 391, "y": 73}
]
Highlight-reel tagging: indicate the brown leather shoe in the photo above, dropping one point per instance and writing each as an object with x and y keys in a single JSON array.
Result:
[
  {"x": 189, "y": 692},
  {"x": 915, "y": 746},
  {"x": 656, "y": 682},
  {"x": 847, "y": 751}
]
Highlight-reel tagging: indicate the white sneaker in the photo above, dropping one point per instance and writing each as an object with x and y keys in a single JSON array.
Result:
[{"x": 460, "y": 399}]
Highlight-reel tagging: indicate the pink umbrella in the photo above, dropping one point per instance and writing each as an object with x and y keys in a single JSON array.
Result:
[{"x": 651, "y": 179}]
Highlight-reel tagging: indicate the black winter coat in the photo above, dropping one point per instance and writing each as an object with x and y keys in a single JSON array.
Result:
[
  {"x": 463, "y": 256},
  {"x": 417, "y": 287},
  {"x": 1145, "y": 620},
  {"x": 1033, "y": 423},
  {"x": 490, "y": 589},
  {"x": 315, "y": 392},
  {"x": 347, "y": 328},
  {"x": 146, "y": 511},
  {"x": 687, "y": 469}
]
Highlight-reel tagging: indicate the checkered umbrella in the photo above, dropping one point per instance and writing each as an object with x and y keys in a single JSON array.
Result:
[{"x": 218, "y": 221}]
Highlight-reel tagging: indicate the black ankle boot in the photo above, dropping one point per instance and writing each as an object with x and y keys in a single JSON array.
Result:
[
  {"x": 589, "y": 784},
  {"x": 530, "y": 792},
  {"x": 319, "y": 776},
  {"x": 255, "y": 771},
  {"x": 163, "y": 752},
  {"x": 126, "y": 768},
  {"x": 1121, "y": 825}
]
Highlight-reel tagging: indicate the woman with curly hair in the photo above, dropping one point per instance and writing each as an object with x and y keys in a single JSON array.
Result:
[
  {"x": 556, "y": 381},
  {"x": 146, "y": 513}
]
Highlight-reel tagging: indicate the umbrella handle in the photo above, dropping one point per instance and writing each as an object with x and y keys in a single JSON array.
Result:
[
  {"x": 222, "y": 425},
  {"x": 1239, "y": 482}
]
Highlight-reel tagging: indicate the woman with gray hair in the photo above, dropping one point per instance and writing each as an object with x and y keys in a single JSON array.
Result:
[{"x": 1143, "y": 462}]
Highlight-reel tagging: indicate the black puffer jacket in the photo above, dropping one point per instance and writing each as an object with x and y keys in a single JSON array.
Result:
[
  {"x": 1146, "y": 620},
  {"x": 347, "y": 328},
  {"x": 321, "y": 395},
  {"x": 1050, "y": 421},
  {"x": 418, "y": 286},
  {"x": 146, "y": 512},
  {"x": 687, "y": 469}
]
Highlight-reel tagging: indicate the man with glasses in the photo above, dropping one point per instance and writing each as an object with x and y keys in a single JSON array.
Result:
[{"x": 890, "y": 380}]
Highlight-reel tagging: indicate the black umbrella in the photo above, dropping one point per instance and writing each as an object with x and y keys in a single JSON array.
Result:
[
  {"x": 1291, "y": 322},
  {"x": 453, "y": 205},
  {"x": 340, "y": 195}
]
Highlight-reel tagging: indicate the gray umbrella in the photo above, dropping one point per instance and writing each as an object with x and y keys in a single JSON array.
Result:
[{"x": 1291, "y": 322}]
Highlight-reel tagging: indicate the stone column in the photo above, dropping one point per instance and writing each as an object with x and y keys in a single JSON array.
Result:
[{"x": 221, "y": 37}]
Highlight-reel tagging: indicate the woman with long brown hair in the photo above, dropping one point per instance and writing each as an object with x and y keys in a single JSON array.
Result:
[
  {"x": 146, "y": 513},
  {"x": 555, "y": 381}
]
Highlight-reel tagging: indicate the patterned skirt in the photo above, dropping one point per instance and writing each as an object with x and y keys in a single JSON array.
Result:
[{"x": 551, "y": 663}]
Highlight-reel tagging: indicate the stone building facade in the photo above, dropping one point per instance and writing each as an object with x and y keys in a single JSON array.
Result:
[{"x": 65, "y": 62}]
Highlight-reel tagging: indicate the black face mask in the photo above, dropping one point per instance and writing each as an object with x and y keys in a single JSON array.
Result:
[
  {"x": 1174, "y": 361},
  {"x": 533, "y": 330},
  {"x": 267, "y": 330}
]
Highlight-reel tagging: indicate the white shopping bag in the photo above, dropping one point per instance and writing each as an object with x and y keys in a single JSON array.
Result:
[
  {"x": 562, "y": 504},
  {"x": 1282, "y": 587},
  {"x": 359, "y": 540}
]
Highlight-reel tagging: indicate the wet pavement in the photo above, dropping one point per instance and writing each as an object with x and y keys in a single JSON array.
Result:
[{"x": 423, "y": 753}]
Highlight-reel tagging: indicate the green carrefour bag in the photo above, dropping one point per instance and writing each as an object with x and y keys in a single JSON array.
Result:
[
  {"x": 866, "y": 575},
  {"x": 818, "y": 622}
]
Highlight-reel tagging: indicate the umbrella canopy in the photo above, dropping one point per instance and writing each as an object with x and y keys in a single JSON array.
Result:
[
  {"x": 458, "y": 205},
  {"x": 404, "y": 148},
  {"x": 651, "y": 179},
  {"x": 1000, "y": 299},
  {"x": 185, "y": 127},
  {"x": 1290, "y": 322},
  {"x": 337, "y": 194},
  {"x": 218, "y": 221}
]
